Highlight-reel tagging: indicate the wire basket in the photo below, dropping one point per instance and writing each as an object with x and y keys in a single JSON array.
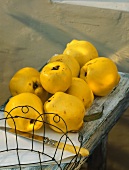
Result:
[{"x": 43, "y": 158}]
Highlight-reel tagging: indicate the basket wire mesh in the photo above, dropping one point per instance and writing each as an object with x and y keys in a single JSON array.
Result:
[{"x": 40, "y": 164}]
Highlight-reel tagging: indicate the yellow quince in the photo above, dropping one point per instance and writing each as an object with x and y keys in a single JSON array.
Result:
[
  {"x": 81, "y": 89},
  {"x": 101, "y": 74},
  {"x": 24, "y": 112},
  {"x": 82, "y": 50},
  {"x": 65, "y": 112},
  {"x": 27, "y": 79},
  {"x": 56, "y": 76},
  {"x": 70, "y": 61}
]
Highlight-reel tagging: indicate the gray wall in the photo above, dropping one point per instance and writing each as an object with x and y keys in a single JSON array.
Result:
[{"x": 32, "y": 31}]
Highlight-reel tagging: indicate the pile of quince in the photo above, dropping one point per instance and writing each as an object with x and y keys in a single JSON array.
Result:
[{"x": 64, "y": 89}]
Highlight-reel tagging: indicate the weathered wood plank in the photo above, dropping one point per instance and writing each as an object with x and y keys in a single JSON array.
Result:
[{"x": 114, "y": 106}]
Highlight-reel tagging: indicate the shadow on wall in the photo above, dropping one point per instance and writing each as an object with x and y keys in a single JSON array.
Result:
[
  {"x": 57, "y": 35},
  {"x": 60, "y": 36},
  {"x": 53, "y": 34}
]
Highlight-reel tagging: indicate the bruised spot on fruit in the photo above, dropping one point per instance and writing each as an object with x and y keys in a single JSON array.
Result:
[
  {"x": 16, "y": 92},
  {"x": 85, "y": 74},
  {"x": 59, "y": 60},
  {"x": 32, "y": 121},
  {"x": 90, "y": 63},
  {"x": 56, "y": 67},
  {"x": 35, "y": 85},
  {"x": 64, "y": 112},
  {"x": 16, "y": 116},
  {"x": 49, "y": 100}
]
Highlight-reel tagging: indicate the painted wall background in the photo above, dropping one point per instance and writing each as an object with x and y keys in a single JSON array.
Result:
[
  {"x": 109, "y": 4},
  {"x": 32, "y": 31}
]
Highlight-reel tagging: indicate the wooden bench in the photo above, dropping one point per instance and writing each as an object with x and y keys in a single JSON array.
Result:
[{"x": 95, "y": 133}]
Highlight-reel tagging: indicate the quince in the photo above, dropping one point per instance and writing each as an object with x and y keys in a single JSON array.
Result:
[
  {"x": 70, "y": 61},
  {"x": 24, "y": 112},
  {"x": 83, "y": 51},
  {"x": 65, "y": 112},
  {"x": 56, "y": 76},
  {"x": 27, "y": 79},
  {"x": 101, "y": 74},
  {"x": 81, "y": 89}
]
